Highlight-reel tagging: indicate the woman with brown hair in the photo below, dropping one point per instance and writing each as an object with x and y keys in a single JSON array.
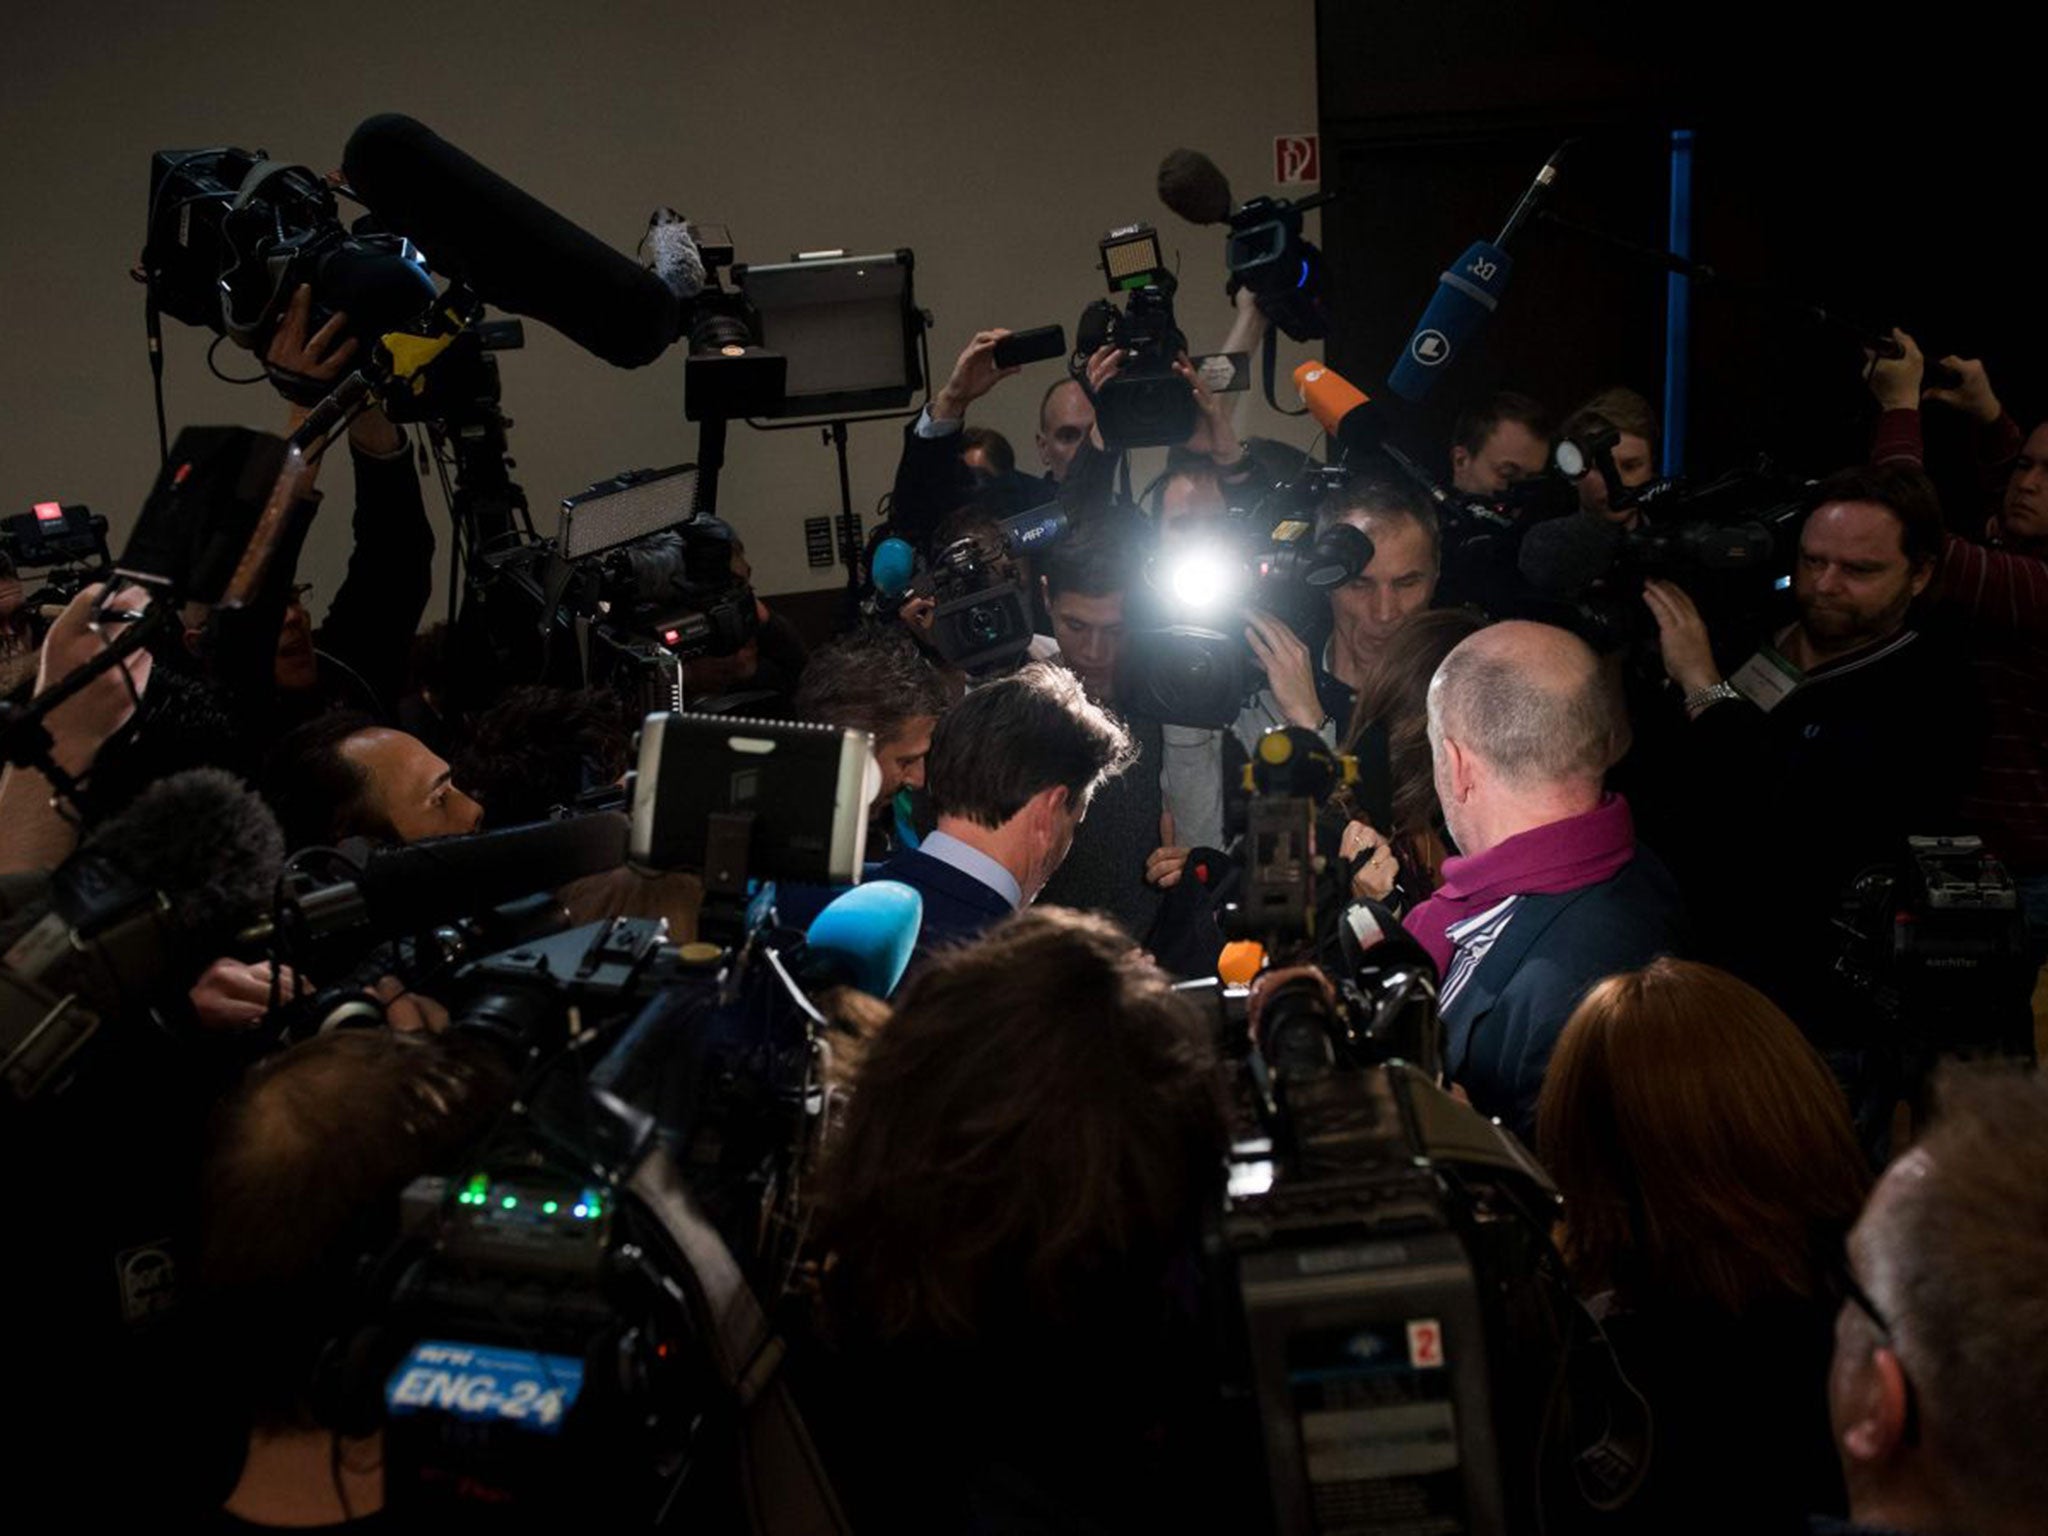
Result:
[
  {"x": 1011, "y": 1220},
  {"x": 1710, "y": 1174},
  {"x": 1390, "y": 723}
]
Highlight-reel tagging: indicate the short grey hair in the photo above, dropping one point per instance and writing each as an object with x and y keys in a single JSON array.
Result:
[{"x": 1528, "y": 733}]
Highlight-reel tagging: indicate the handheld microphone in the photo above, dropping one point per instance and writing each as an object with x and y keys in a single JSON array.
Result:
[
  {"x": 893, "y": 568},
  {"x": 425, "y": 884},
  {"x": 866, "y": 935},
  {"x": 1192, "y": 185},
  {"x": 1343, "y": 410},
  {"x": 509, "y": 248},
  {"x": 1466, "y": 296},
  {"x": 1034, "y": 528},
  {"x": 1467, "y": 293}
]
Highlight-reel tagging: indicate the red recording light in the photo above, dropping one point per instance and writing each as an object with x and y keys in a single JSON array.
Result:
[
  {"x": 183, "y": 470},
  {"x": 49, "y": 512}
]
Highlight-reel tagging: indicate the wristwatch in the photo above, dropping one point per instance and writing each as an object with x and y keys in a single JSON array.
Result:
[{"x": 1707, "y": 697}]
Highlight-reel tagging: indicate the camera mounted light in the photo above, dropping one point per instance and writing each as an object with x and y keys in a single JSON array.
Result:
[
  {"x": 1202, "y": 580},
  {"x": 1130, "y": 258}
]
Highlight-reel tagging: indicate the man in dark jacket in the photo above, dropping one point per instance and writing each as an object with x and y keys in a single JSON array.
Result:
[
  {"x": 1012, "y": 769},
  {"x": 1846, "y": 732},
  {"x": 1549, "y": 891}
]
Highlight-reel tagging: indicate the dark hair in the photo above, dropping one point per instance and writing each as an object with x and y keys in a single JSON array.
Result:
[
  {"x": 1480, "y": 423},
  {"x": 1094, "y": 560},
  {"x": 1902, "y": 490},
  {"x": 1395, "y": 696},
  {"x": 1020, "y": 735},
  {"x": 1955, "y": 1256},
  {"x": 1620, "y": 408},
  {"x": 1381, "y": 496},
  {"x": 1032, "y": 1137},
  {"x": 320, "y": 796},
  {"x": 305, "y": 1165},
  {"x": 871, "y": 679},
  {"x": 1703, "y": 1149},
  {"x": 1002, "y": 458},
  {"x": 540, "y": 747}
]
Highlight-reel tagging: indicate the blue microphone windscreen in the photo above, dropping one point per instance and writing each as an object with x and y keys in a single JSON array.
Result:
[
  {"x": 1465, "y": 297},
  {"x": 870, "y": 932},
  {"x": 895, "y": 564}
]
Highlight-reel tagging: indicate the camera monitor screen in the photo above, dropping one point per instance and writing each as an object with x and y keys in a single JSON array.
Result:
[{"x": 806, "y": 787}]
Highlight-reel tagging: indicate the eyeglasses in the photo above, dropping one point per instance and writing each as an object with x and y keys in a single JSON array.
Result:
[{"x": 1845, "y": 1289}]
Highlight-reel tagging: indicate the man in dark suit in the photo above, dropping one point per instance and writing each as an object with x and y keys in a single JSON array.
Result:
[
  {"x": 1549, "y": 891},
  {"x": 1011, "y": 771},
  {"x": 934, "y": 478}
]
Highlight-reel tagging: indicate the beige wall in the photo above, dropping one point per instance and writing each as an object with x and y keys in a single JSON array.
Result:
[{"x": 998, "y": 141}]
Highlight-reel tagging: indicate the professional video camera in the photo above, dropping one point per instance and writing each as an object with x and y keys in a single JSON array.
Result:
[
  {"x": 1196, "y": 669},
  {"x": 1729, "y": 541},
  {"x": 982, "y": 619},
  {"x": 1398, "y": 1326},
  {"x": 1147, "y": 404},
  {"x": 1938, "y": 943},
  {"x": 633, "y": 583},
  {"x": 1268, "y": 254},
  {"x": 233, "y": 233},
  {"x": 569, "y": 1326},
  {"x": 68, "y": 544},
  {"x": 1265, "y": 249}
]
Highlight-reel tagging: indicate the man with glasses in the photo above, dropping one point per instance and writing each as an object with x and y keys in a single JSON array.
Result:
[{"x": 1940, "y": 1379}]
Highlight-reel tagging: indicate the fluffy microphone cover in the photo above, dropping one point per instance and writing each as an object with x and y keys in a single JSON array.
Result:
[{"x": 202, "y": 838}]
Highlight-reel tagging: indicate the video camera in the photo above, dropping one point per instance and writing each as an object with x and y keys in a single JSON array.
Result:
[
  {"x": 1267, "y": 253},
  {"x": 1938, "y": 942},
  {"x": 982, "y": 619},
  {"x": 634, "y": 582},
  {"x": 67, "y": 543},
  {"x": 1197, "y": 669},
  {"x": 1147, "y": 404},
  {"x": 569, "y": 1325},
  {"x": 232, "y": 234},
  {"x": 1730, "y": 542},
  {"x": 1396, "y": 1322}
]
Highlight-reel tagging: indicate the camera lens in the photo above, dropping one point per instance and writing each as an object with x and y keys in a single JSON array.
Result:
[{"x": 984, "y": 624}]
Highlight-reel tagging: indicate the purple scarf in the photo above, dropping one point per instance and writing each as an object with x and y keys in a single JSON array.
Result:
[{"x": 1566, "y": 855}]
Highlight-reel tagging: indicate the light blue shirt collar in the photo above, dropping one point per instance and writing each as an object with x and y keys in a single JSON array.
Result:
[{"x": 972, "y": 862}]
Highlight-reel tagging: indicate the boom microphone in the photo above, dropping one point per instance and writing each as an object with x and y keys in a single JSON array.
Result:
[
  {"x": 512, "y": 250},
  {"x": 425, "y": 884},
  {"x": 1193, "y": 187}
]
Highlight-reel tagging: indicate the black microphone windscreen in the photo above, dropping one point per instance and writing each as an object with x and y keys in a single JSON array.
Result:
[
  {"x": 513, "y": 250},
  {"x": 202, "y": 838},
  {"x": 1566, "y": 555},
  {"x": 446, "y": 878},
  {"x": 1193, "y": 187}
]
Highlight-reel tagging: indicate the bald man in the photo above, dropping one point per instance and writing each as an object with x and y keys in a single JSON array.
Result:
[{"x": 1549, "y": 891}]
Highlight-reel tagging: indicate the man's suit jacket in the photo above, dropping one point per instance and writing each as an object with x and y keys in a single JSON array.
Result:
[
  {"x": 957, "y": 907},
  {"x": 1500, "y": 1029}
]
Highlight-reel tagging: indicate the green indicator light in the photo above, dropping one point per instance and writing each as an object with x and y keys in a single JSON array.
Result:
[
  {"x": 509, "y": 1203},
  {"x": 550, "y": 1207}
]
